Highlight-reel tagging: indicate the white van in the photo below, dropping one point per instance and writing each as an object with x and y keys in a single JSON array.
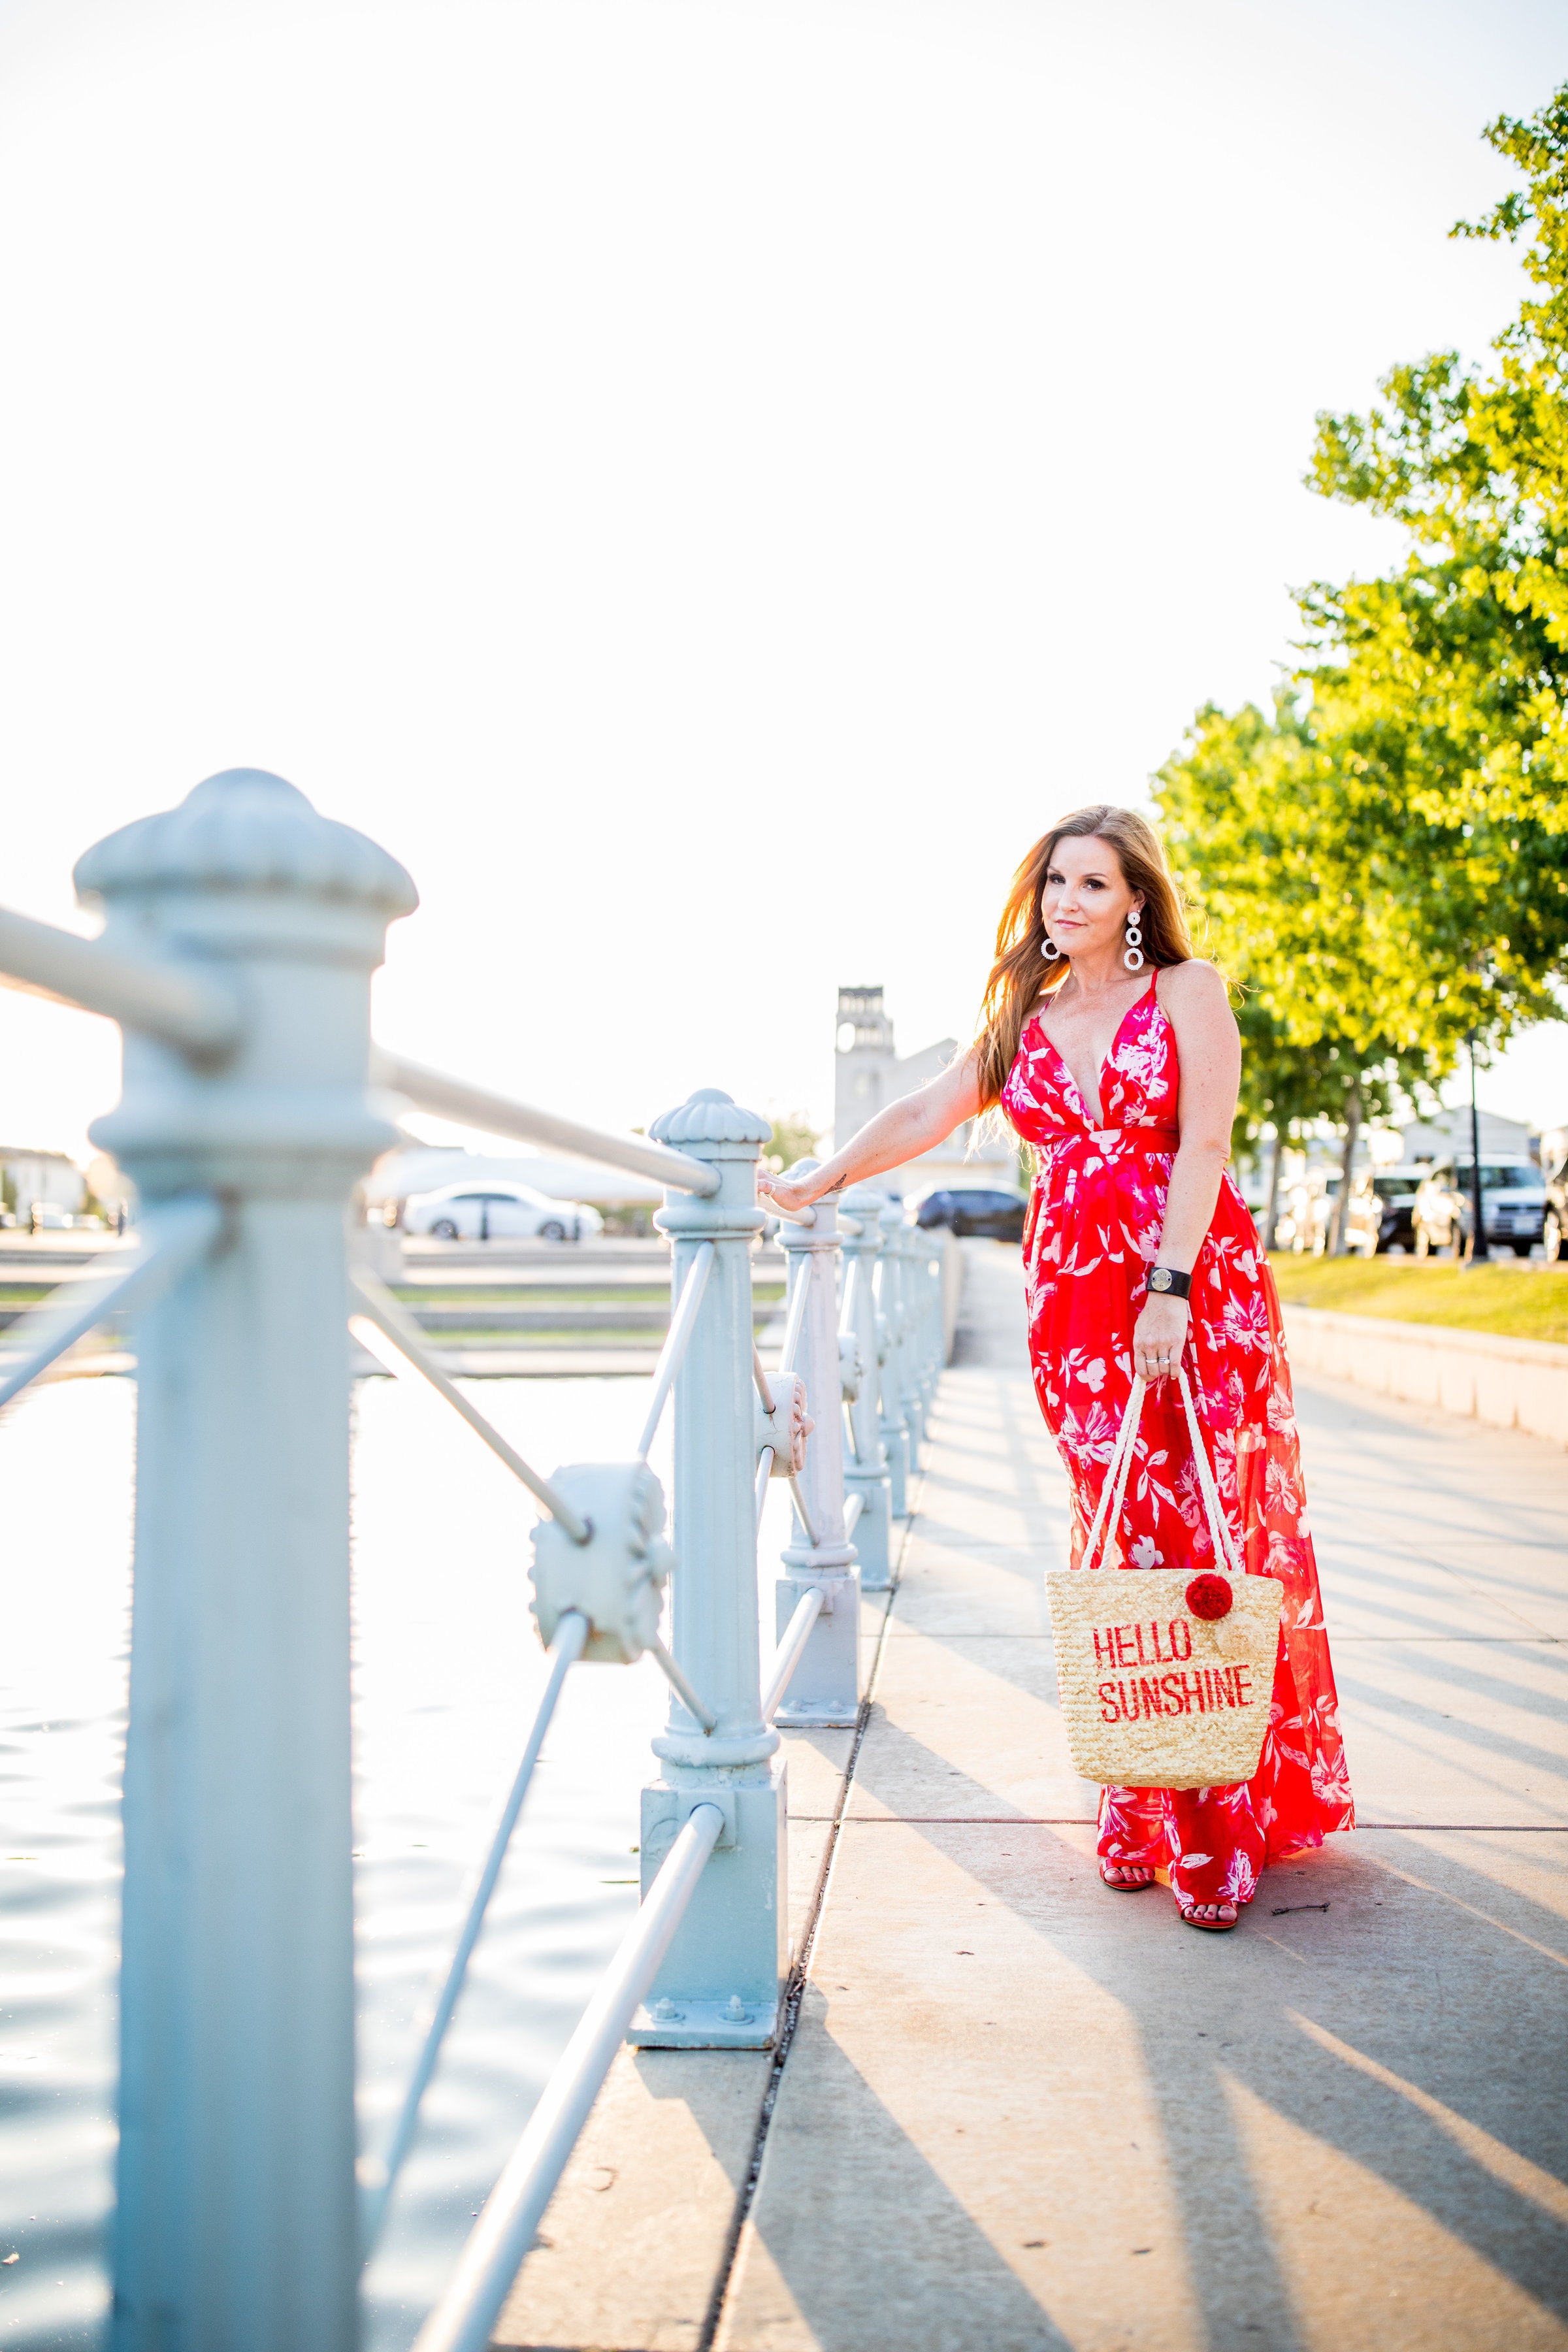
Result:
[{"x": 1513, "y": 1205}]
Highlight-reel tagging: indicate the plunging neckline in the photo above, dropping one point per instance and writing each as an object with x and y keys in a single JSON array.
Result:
[{"x": 1142, "y": 998}]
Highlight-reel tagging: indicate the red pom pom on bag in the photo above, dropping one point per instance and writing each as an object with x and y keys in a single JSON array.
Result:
[{"x": 1209, "y": 1596}]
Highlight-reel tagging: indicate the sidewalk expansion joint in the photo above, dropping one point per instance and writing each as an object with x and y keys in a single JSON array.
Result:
[{"x": 800, "y": 1973}]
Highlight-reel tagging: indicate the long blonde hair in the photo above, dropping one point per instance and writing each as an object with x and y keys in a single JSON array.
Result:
[{"x": 1020, "y": 971}]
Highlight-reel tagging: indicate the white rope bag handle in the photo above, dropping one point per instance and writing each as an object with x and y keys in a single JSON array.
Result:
[
  {"x": 1219, "y": 1526},
  {"x": 1120, "y": 1462}
]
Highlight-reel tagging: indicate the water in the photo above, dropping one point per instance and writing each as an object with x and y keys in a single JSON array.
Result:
[{"x": 447, "y": 1671}]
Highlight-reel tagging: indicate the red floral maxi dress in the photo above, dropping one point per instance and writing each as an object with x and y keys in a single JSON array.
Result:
[{"x": 1092, "y": 1231}]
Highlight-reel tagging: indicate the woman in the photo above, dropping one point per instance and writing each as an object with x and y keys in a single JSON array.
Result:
[{"x": 1113, "y": 1050}]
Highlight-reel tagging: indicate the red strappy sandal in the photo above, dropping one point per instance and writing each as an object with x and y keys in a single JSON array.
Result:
[{"x": 1210, "y": 1927}]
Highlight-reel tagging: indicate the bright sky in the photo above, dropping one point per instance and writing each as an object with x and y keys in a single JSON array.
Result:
[{"x": 703, "y": 481}]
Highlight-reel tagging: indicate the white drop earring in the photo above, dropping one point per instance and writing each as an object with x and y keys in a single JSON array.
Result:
[
  {"x": 1133, "y": 959},
  {"x": 1050, "y": 951}
]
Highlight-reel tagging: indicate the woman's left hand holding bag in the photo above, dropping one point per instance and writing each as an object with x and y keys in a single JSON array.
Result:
[{"x": 1159, "y": 1336}]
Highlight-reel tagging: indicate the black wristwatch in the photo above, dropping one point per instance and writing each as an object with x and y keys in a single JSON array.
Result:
[{"x": 1169, "y": 1283}]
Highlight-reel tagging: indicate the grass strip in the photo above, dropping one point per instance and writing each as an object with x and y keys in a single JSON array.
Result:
[
  {"x": 649, "y": 1341},
  {"x": 547, "y": 1294},
  {"x": 1517, "y": 1300}
]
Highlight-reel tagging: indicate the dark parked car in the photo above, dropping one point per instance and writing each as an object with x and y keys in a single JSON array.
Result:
[
  {"x": 999, "y": 1216},
  {"x": 1396, "y": 1191}
]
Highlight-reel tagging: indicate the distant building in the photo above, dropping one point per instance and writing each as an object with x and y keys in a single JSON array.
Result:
[
  {"x": 868, "y": 1075},
  {"x": 1426, "y": 1140}
]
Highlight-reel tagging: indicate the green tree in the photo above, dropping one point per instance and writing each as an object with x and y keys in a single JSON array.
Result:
[
  {"x": 1298, "y": 877},
  {"x": 795, "y": 1138},
  {"x": 1385, "y": 860},
  {"x": 1446, "y": 684},
  {"x": 1310, "y": 873}
]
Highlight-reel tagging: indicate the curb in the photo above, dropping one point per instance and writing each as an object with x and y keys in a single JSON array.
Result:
[{"x": 1507, "y": 1383}]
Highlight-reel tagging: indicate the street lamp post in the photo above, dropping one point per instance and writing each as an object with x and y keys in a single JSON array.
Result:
[{"x": 1479, "y": 1250}]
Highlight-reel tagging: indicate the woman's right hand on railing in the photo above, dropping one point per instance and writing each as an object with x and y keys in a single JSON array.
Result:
[{"x": 787, "y": 1195}]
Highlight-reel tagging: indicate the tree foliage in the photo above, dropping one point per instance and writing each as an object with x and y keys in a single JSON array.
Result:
[
  {"x": 1305, "y": 910},
  {"x": 1472, "y": 636},
  {"x": 795, "y": 1138},
  {"x": 1386, "y": 858}
]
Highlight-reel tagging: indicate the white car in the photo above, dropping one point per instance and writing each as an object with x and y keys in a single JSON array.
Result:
[
  {"x": 493, "y": 1212},
  {"x": 48, "y": 1217},
  {"x": 1361, "y": 1226}
]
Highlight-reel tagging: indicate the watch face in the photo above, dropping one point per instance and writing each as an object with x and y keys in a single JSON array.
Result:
[{"x": 1159, "y": 1279}]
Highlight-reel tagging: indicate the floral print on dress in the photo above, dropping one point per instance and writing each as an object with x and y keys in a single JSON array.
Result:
[{"x": 1091, "y": 1234}]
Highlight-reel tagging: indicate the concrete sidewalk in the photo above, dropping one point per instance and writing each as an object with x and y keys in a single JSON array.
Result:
[{"x": 1021, "y": 2112}]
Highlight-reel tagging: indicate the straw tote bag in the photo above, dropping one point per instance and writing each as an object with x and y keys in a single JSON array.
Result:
[{"x": 1166, "y": 1678}]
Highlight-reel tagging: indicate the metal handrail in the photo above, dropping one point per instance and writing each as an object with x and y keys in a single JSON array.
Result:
[
  {"x": 471, "y": 1106},
  {"x": 781, "y": 1666},
  {"x": 794, "y": 1321},
  {"x": 789, "y": 1216},
  {"x": 396, "y": 1329},
  {"x": 465, "y": 2318},
  {"x": 290, "y": 916},
  {"x": 795, "y": 1325},
  {"x": 377, "y": 2175},
  {"x": 802, "y": 1511},
  {"x": 849, "y": 1430},
  {"x": 178, "y": 1235},
  {"x": 846, "y": 1330},
  {"x": 808, "y": 1216},
  {"x": 162, "y": 1001},
  {"x": 682, "y": 1323},
  {"x": 696, "y": 1706}
]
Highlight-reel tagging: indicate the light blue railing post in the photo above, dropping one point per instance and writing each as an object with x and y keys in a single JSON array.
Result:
[
  {"x": 923, "y": 1254},
  {"x": 908, "y": 1244},
  {"x": 718, "y": 1986},
  {"x": 866, "y": 1472},
  {"x": 938, "y": 1352},
  {"x": 825, "y": 1689},
  {"x": 950, "y": 1245},
  {"x": 890, "y": 1423},
  {"x": 899, "y": 1323},
  {"x": 236, "y": 2224}
]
